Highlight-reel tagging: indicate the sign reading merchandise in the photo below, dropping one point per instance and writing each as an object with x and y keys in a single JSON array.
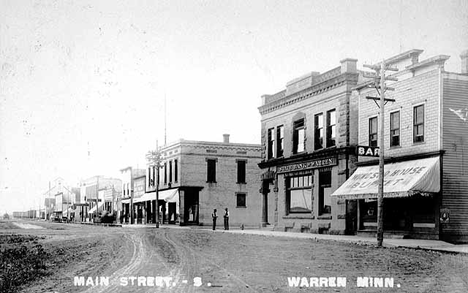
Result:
[{"x": 308, "y": 165}]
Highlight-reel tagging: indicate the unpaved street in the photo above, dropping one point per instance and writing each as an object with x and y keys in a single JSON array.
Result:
[{"x": 84, "y": 258}]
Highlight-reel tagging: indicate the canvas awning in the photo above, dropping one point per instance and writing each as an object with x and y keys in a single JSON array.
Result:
[
  {"x": 171, "y": 195},
  {"x": 94, "y": 208},
  {"x": 400, "y": 180}
]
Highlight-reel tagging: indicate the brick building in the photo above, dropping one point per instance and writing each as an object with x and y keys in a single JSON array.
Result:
[
  {"x": 197, "y": 177},
  {"x": 306, "y": 154},
  {"x": 425, "y": 142}
]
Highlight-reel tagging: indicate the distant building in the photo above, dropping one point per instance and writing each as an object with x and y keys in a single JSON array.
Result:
[
  {"x": 59, "y": 199},
  {"x": 129, "y": 210},
  {"x": 198, "y": 176},
  {"x": 425, "y": 147},
  {"x": 98, "y": 193}
]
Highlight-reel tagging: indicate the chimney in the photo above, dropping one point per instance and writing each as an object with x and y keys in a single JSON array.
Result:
[
  {"x": 464, "y": 62},
  {"x": 348, "y": 65},
  {"x": 226, "y": 138}
]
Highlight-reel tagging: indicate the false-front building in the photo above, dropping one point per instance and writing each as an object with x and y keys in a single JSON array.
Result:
[{"x": 425, "y": 142}]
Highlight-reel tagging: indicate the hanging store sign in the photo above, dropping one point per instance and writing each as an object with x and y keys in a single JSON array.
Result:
[
  {"x": 367, "y": 151},
  {"x": 308, "y": 165}
]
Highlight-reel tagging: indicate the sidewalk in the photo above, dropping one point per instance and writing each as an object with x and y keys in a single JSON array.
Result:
[{"x": 433, "y": 245}]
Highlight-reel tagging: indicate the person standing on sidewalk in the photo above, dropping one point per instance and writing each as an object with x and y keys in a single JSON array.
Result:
[
  {"x": 214, "y": 216},
  {"x": 226, "y": 219}
]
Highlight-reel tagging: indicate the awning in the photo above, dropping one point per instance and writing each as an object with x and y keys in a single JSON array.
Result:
[
  {"x": 171, "y": 195},
  {"x": 94, "y": 208},
  {"x": 400, "y": 180}
]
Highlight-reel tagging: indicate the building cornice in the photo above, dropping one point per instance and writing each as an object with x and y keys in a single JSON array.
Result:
[
  {"x": 322, "y": 154},
  {"x": 322, "y": 87}
]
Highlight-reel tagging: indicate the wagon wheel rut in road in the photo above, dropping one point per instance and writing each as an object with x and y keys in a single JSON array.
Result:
[
  {"x": 190, "y": 265},
  {"x": 138, "y": 255}
]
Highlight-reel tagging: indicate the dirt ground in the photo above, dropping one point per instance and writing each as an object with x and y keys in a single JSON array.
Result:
[{"x": 206, "y": 261}]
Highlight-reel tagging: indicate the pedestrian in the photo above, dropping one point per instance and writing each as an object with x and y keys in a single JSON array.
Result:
[
  {"x": 214, "y": 216},
  {"x": 226, "y": 219}
]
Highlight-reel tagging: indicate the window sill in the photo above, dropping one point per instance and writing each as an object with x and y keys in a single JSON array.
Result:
[
  {"x": 392, "y": 147},
  {"x": 325, "y": 217},
  {"x": 419, "y": 142},
  {"x": 241, "y": 207},
  {"x": 299, "y": 216},
  {"x": 241, "y": 182}
]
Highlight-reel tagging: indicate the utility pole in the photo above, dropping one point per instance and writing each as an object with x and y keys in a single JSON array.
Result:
[
  {"x": 154, "y": 160},
  {"x": 380, "y": 76},
  {"x": 97, "y": 199}
]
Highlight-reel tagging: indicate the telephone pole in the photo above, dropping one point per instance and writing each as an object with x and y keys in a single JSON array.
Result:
[
  {"x": 380, "y": 77},
  {"x": 154, "y": 160}
]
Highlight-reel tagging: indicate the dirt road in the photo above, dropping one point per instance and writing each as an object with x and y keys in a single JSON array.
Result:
[{"x": 110, "y": 259}]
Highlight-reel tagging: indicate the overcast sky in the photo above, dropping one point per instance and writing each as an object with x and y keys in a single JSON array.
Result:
[{"x": 83, "y": 83}]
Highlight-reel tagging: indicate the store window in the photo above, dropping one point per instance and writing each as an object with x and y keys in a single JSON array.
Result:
[
  {"x": 373, "y": 131},
  {"x": 318, "y": 139},
  {"x": 324, "y": 192},
  {"x": 298, "y": 136},
  {"x": 280, "y": 141},
  {"x": 331, "y": 128},
  {"x": 418, "y": 123},
  {"x": 299, "y": 194},
  {"x": 395, "y": 128}
]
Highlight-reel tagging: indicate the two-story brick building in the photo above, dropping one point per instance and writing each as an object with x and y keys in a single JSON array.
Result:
[
  {"x": 306, "y": 154},
  {"x": 425, "y": 142},
  {"x": 198, "y": 176}
]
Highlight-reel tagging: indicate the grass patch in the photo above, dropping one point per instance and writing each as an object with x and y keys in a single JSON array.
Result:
[
  {"x": 22, "y": 259},
  {"x": 7, "y": 225}
]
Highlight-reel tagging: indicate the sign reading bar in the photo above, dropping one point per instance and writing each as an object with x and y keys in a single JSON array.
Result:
[
  {"x": 308, "y": 165},
  {"x": 367, "y": 151}
]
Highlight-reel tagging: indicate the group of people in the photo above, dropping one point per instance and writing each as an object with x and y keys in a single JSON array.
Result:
[{"x": 214, "y": 216}]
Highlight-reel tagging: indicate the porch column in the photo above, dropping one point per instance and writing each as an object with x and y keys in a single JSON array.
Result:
[{"x": 265, "y": 192}]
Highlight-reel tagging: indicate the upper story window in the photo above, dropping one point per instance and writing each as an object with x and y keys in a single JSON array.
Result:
[
  {"x": 211, "y": 170},
  {"x": 298, "y": 136},
  {"x": 241, "y": 168},
  {"x": 418, "y": 123},
  {"x": 176, "y": 170},
  {"x": 318, "y": 139},
  {"x": 165, "y": 173},
  {"x": 331, "y": 128},
  {"x": 395, "y": 128},
  {"x": 373, "y": 131},
  {"x": 280, "y": 141},
  {"x": 271, "y": 143},
  {"x": 170, "y": 171}
]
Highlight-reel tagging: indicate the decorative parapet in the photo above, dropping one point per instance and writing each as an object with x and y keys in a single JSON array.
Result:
[{"x": 323, "y": 83}]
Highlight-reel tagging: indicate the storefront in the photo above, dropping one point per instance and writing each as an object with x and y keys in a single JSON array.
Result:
[
  {"x": 301, "y": 193},
  {"x": 411, "y": 197}
]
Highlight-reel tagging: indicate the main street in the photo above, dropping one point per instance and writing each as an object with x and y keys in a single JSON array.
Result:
[{"x": 86, "y": 258}]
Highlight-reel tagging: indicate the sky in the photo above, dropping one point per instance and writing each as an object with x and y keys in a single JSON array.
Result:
[{"x": 89, "y": 87}]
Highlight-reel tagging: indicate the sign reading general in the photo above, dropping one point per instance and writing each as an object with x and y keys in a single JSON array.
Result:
[
  {"x": 367, "y": 151},
  {"x": 308, "y": 165}
]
